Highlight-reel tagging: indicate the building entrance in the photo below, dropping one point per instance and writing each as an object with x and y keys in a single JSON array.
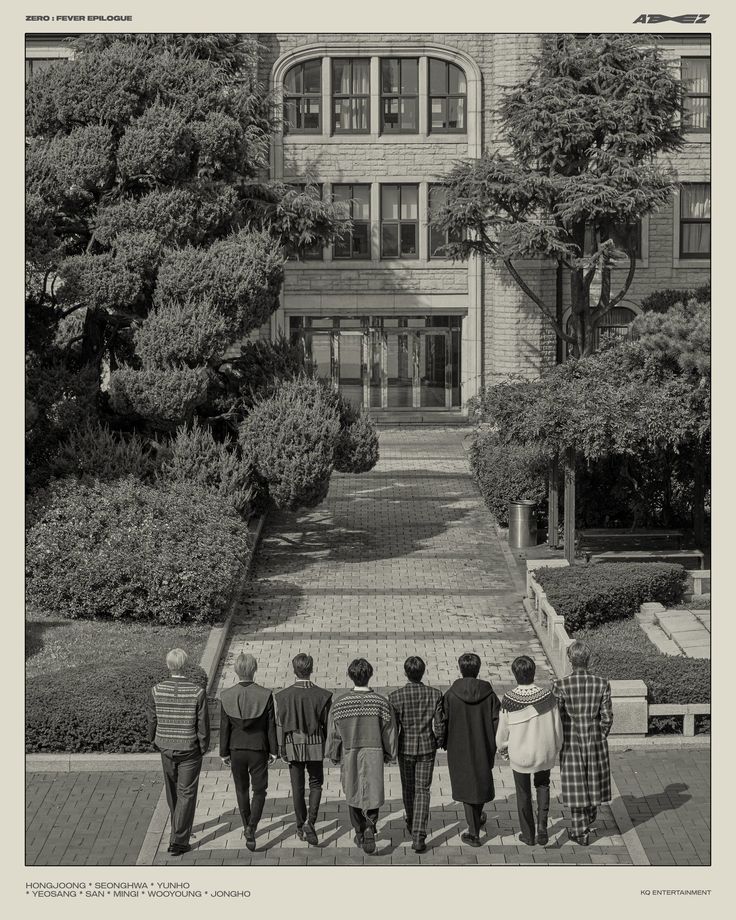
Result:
[{"x": 382, "y": 362}]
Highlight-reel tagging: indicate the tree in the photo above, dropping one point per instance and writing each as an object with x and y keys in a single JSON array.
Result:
[{"x": 583, "y": 132}]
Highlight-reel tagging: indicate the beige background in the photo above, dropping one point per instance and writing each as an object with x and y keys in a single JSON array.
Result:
[{"x": 323, "y": 892}]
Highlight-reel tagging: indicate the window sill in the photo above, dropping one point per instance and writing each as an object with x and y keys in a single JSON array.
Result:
[
  {"x": 696, "y": 137},
  {"x": 293, "y": 140},
  {"x": 691, "y": 263}
]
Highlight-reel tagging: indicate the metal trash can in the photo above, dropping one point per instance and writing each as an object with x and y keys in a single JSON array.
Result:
[{"x": 522, "y": 524}]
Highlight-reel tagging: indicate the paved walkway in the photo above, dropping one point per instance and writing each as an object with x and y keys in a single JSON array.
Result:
[{"x": 688, "y": 629}]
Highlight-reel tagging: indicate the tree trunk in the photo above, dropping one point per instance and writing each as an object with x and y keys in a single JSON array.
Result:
[
  {"x": 93, "y": 336},
  {"x": 552, "y": 506},
  {"x": 569, "y": 535}
]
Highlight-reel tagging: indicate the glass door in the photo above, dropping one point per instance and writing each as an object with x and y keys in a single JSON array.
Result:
[
  {"x": 399, "y": 369},
  {"x": 434, "y": 368},
  {"x": 349, "y": 362}
]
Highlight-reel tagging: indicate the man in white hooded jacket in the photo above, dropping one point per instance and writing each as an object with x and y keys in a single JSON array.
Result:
[{"x": 530, "y": 730}]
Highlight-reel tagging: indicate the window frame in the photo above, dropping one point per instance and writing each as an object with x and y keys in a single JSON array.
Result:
[
  {"x": 398, "y": 222},
  {"x": 688, "y": 221},
  {"x": 399, "y": 96},
  {"x": 446, "y": 96},
  {"x": 305, "y": 255},
  {"x": 340, "y": 96},
  {"x": 288, "y": 128},
  {"x": 431, "y": 186},
  {"x": 352, "y": 257},
  {"x": 688, "y": 128}
]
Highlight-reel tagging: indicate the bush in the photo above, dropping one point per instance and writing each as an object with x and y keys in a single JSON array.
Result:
[
  {"x": 507, "y": 472},
  {"x": 163, "y": 395},
  {"x": 622, "y": 651},
  {"x": 289, "y": 438},
  {"x": 357, "y": 445},
  {"x": 261, "y": 366},
  {"x": 588, "y": 595},
  {"x": 96, "y": 451},
  {"x": 103, "y": 710},
  {"x": 124, "y": 549},
  {"x": 195, "y": 457},
  {"x": 191, "y": 333}
]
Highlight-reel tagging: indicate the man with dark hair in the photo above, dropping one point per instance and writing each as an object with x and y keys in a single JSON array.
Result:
[
  {"x": 420, "y": 723},
  {"x": 248, "y": 741},
  {"x": 587, "y": 717},
  {"x": 302, "y": 711},
  {"x": 471, "y": 712},
  {"x": 361, "y": 738},
  {"x": 530, "y": 730}
]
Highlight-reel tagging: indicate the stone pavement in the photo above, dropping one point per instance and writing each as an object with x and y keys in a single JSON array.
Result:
[{"x": 688, "y": 629}]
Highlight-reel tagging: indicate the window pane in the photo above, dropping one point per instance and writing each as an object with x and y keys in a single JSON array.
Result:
[
  {"x": 437, "y": 197},
  {"x": 409, "y": 77},
  {"x": 408, "y": 239},
  {"x": 695, "y": 201},
  {"x": 439, "y": 113},
  {"x": 291, "y": 113},
  {"x": 696, "y": 75},
  {"x": 342, "y": 114},
  {"x": 340, "y": 76},
  {"x": 409, "y": 114},
  {"x": 389, "y": 202},
  {"x": 359, "y": 110},
  {"x": 342, "y": 246},
  {"x": 361, "y": 76},
  {"x": 391, "y": 114},
  {"x": 311, "y": 113},
  {"x": 436, "y": 241},
  {"x": 695, "y": 239},
  {"x": 390, "y": 75},
  {"x": 456, "y": 114},
  {"x": 312, "y": 75},
  {"x": 361, "y": 239},
  {"x": 437, "y": 76},
  {"x": 456, "y": 80},
  {"x": 390, "y": 240},
  {"x": 342, "y": 192},
  {"x": 409, "y": 202},
  {"x": 361, "y": 202},
  {"x": 696, "y": 114},
  {"x": 293, "y": 81}
]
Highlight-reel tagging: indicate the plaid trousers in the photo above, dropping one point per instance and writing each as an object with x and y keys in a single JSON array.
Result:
[
  {"x": 416, "y": 779},
  {"x": 582, "y": 820}
]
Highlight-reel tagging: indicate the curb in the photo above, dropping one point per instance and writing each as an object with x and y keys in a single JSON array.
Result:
[{"x": 132, "y": 763}]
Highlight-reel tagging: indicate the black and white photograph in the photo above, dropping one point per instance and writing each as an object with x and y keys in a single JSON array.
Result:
[{"x": 367, "y": 447}]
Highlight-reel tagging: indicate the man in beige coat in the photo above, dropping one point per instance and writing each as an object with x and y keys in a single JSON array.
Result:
[{"x": 530, "y": 730}]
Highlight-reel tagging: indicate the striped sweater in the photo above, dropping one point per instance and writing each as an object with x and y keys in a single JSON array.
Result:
[{"x": 178, "y": 718}]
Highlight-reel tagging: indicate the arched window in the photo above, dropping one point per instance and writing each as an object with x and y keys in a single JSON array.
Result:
[
  {"x": 448, "y": 97},
  {"x": 303, "y": 98}
]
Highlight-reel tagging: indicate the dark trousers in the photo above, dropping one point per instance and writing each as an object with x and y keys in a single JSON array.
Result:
[
  {"x": 523, "y": 783},
  {"x": 181, "y": 780},
  {"x": 472, "y": 816},
  {"x": 316, "y": 772},
  {"x": 360, "y": 818},
  {"x": 250, "y": 767},
  {"x": 582, "y": 819},
  {"x": 416, "y": 781}
]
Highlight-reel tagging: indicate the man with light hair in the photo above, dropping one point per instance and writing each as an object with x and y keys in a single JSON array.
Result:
[
  {"x": 585, "y": 707},
  {"x": 248, "y": 742},
  {"x": 179, "y": 727}
]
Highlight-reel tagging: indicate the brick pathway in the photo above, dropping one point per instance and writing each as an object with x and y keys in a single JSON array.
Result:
[
  {"x": 88, "y": 819},
  {"x": 689, "y": 629},
  {"x": 398, "y": 561}
]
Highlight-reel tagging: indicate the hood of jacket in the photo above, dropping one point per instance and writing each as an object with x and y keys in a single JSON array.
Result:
[{"x": 471, "y": 690}]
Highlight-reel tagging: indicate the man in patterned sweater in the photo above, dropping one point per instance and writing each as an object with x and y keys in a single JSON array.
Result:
[
  {"x": 361, "y": 738},
  {"x": 179, "y": 726}
]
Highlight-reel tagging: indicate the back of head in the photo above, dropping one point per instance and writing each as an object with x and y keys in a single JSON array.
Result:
[
  {"x": 524, "y": 669},
  {"x": 414, "y": 668},
  {"x": 303, "y": 666},
  {"x": 579, "y": 654},
  {"x": 469, "y": 664},
  {"x": 360, "y": 672},
  {"x": 176, "y": 660},
  {"x": 245, "y": 666}
]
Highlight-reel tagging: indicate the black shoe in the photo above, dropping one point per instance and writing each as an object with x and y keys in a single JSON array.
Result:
[
  {"x": 300, "y": 833},
  {"x": 310, "y": 834},
  {"x": 358, "y": 840},
  {"x": 542, "y": 836},
  {"x": 369, "y": 839},
  {"x": 419, "y": 846},
  {"x": 471, "y": 840},
  {"x": 581, "y": 841},
  {"x": 250, "y": 838},
  {"x": 176, "y": 849},
  {"x": 526, "y": 840}
]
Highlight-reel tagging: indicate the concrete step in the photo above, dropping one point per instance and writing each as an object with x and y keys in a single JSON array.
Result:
[{"x": 411, "y": 417}]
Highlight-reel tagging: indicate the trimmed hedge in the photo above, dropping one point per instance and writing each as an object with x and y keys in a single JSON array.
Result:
[
  {"x": 592, "y": 594},
  {"x": 103, "y": 710},
  {"x": 126, "y": 550},
  {"x": 622, "y": 651},
  {"x": 506, "y": 473}
]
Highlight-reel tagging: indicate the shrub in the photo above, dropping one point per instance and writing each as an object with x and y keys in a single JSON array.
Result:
[
  {"x": 289, "y": 438},
  {"x": 192, "y": 332},
  {"x": 158, "y": 146},
  {"x": 125, "y": 549},
  {"x": 164, "y": 395},
  {"x": 94, "y": 450},
  {"x": 622, "y": 651},
  {"x": 195, "y": 457},
  {"x": 357, "y": 446},
  {"x": 83, "y": 710},
  {"x": 261, "y": 366},
  {"x": 588, "y": 595},
  {"x": 507, "y": 472}
]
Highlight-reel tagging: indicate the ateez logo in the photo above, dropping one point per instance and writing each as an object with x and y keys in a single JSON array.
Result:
[{"x": 690, "y": 19}]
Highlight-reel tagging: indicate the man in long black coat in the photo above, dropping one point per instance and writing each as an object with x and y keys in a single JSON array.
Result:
[{"x": 471, "y": 710}]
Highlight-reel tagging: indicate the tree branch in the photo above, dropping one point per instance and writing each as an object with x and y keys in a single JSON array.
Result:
[
  {"x": 538, "y": 301},
  {"x": 72, "y": 309},
  {"x": 605, "y": 305}
]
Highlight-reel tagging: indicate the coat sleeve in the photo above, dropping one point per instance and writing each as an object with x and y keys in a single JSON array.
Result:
[
  {"x": 439, "y": 722},
  {"x": 390, "y": 736},
  {"x": 502, "y": 732},
  {"x": 273, "y": 745},
  {"x": 225, "y": 732},
  {"x": 495, "y": 712},
  {"x": 151, "y": 717},
  {"x": 606, "y": 711},
  {"x": 279, "y": 729},
  {"x": 203, "y": 723},
  {"x": 333, "y": 745},
  {"x": 445, "y": 707},
  {"x": 557, "y": 728}
]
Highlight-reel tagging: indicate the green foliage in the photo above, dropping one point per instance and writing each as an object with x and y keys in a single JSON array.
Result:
[
  {"x": 260, "y": 367},
  {"x": 165, "y": 395},
  {"x": 507, "y": 472},
  {"x": 95, "y": 451},
  {"x": 195, "y": 457},
  {"x": 127, "y": 550},
  {"x": 289, "y": 439},
  {"x": 356, "y": 450},
  {"x": 157, "y": 147},
  {"x": 681, "y": 335},
  {"x": 589, "y": 595},
  {"x": 94, "y": 710},
  {"x": 661, "y": 301},
  {"x": 622, "y": 651},
  {"x": 187, "y": 331}
]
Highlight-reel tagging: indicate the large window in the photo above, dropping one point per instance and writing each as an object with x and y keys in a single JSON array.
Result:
[
  {"x": 311, "y": 251},
  {"x": 695, "y": 220},
  {"x": 351, "y": 100},
  {"x": 439, "y": 239},
  {"x": 303, "y": 98},
  {"x": 696, "y": 93},
  {"x": 399, "y": 221},
  {"x": 355, "y": 202},
  {"x": 447, "y": 97},
  {"x": 400, "y": 95}
]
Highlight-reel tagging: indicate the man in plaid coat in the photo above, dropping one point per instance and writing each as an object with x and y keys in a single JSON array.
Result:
[
  {"x": 420, "y": 721},
  {"x": 585, "y": 707}
]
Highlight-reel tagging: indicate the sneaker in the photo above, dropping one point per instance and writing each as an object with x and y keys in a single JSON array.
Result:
[
  {"x": 310, "y": 834},
  {"x": 250, "y": 838},
  {"x": 471, "y": 840},
  {"x": 419, "y": 846},
  {"x": 369, "y": 839}
]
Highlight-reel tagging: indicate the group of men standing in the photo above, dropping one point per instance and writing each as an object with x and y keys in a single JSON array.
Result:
[{"x": 363, "y": 730}]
